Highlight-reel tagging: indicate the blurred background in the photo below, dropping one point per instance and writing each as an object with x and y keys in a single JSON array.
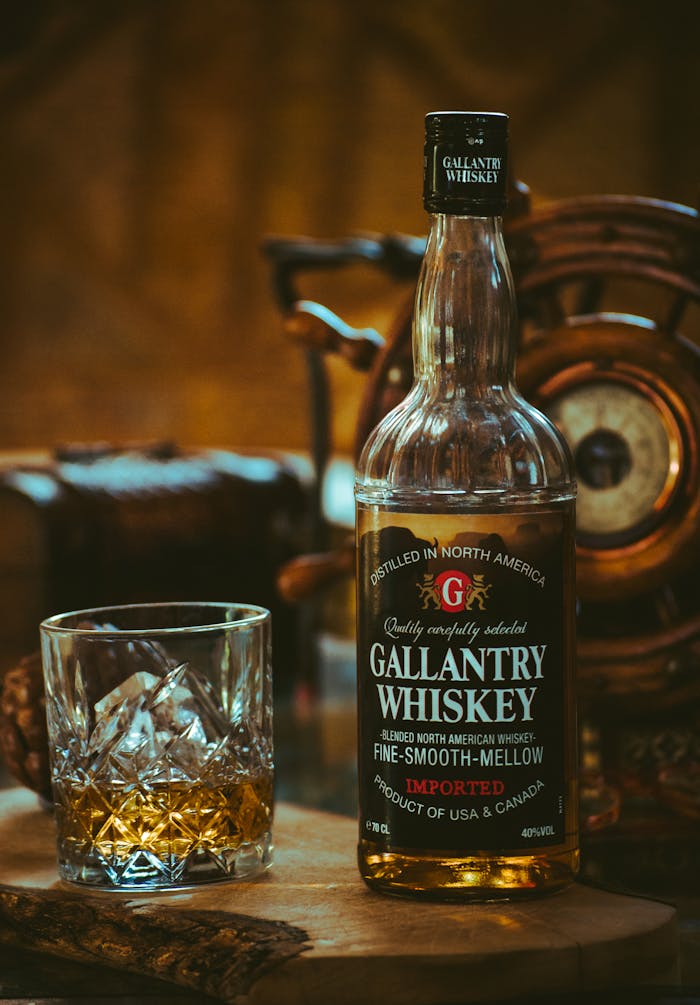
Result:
[{"x": 149, "y": 145}]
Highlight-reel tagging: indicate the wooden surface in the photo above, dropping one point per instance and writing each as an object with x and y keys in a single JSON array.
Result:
[{"x": 360, "y": 947}]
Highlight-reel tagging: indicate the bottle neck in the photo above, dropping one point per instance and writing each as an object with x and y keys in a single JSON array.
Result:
[{"x": 465, "y": 316}]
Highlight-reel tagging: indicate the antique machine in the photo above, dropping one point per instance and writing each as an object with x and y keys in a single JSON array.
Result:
[{"x": 609, "y": 299}]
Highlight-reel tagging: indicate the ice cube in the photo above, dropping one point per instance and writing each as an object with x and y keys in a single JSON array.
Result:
[
  {"x": 124, "y": 738},
  {"x": 132, "y": 688},
  {"x": 149, "y": 725},
  {"x": 183, "y": 700}
]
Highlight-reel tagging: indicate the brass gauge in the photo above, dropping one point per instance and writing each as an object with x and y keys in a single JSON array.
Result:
[
  {"x": 627, "y": 399},
  {"x": 627, "y": 447}
]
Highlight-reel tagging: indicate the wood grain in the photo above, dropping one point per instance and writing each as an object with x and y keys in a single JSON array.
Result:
[
  {"x": 361, "y": 946},
  {"x": 217, "y": 952}
]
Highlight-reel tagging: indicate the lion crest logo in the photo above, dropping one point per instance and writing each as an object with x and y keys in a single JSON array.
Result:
[{"x": 453, "y": 591}]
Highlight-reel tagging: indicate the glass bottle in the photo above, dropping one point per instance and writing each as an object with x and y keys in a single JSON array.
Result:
[{"x": 465, "y": 541}]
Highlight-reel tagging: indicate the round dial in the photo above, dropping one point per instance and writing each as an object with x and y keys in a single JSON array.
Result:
[{"x": 626, "y": 447}]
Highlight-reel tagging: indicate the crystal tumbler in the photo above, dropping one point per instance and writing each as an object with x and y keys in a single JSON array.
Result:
[{"x": 160, "y": 732}]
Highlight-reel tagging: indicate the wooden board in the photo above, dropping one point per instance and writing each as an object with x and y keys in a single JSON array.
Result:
[{"x": 341, "y": 942}]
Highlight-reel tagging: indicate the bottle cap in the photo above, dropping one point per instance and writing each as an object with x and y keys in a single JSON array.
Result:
[{"x": 465, "y": 166}]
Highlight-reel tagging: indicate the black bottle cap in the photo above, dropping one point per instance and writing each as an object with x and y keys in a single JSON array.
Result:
[{"x": 465, "y": 163}]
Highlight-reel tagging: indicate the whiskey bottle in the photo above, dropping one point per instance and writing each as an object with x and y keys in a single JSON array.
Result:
[{"x": 465, "y": 543}]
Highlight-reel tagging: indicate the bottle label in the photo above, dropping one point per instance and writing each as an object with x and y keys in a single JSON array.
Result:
[{"x": 463, "y": 662}]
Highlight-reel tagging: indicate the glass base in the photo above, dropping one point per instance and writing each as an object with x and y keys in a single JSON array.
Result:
[
  {"x": 143, "y": 870},
  {"x": 431, "y": 876}
]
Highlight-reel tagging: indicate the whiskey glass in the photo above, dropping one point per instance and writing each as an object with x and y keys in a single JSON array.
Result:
[{"x": 160, "y": 735}]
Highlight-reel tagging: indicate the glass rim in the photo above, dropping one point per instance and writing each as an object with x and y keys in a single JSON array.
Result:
[{"x": 253, "y": 614}]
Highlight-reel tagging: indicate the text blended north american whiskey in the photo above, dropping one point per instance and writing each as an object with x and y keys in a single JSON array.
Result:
[{"x": 465, "y": 543}]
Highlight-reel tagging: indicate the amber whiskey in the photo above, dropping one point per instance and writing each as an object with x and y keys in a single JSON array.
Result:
[
  {"x": 465, "y": 543},
  {"x": 131, "y": 830}
]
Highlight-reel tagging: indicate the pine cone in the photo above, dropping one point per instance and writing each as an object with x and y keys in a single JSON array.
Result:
[{"x": 23, "y": 736}]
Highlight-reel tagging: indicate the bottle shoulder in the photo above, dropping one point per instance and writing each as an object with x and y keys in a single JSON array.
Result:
[{"x": 492, "y": 444}]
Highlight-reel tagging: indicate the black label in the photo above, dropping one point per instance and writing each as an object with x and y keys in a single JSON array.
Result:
[{"x": 462, "y": 664}]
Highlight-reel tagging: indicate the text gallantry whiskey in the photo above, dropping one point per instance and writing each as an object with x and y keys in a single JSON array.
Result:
[{"x": 465, "y": 536}]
